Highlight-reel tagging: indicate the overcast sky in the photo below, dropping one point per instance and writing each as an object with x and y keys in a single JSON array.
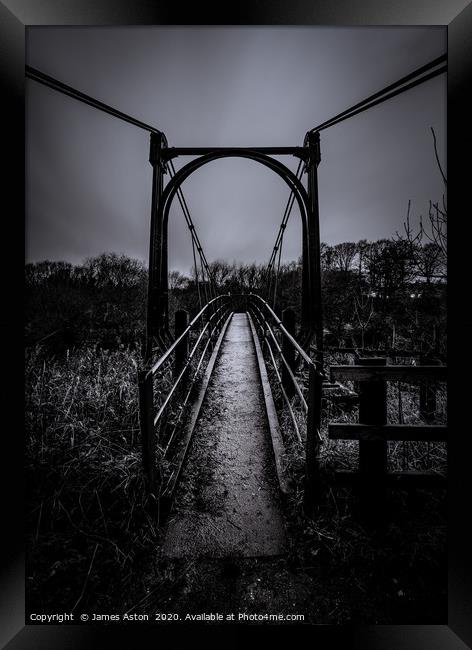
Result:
[{"x": 88, "y": 175}]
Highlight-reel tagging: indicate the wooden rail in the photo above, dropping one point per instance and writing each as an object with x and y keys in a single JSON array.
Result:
[
  {"x": 407, "y": 374},
  {"x": 385, "y": 352},
  {"x": 373, "y": 432},
  {"x": 416, "y": 432},
  {"x": 401, "y": 480}
]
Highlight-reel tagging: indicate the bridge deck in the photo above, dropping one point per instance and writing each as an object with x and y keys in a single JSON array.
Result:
[{"x": 227, "y": 504}]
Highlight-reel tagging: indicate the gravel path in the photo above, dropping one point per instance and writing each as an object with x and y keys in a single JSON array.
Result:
[{"x": 227, "y": 504}]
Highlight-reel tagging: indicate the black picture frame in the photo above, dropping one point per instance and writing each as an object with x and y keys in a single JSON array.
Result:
[{"x": 15, "y": 15}]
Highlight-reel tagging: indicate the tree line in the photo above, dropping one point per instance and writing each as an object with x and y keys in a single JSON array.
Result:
[{"x": 384, "y": 293}]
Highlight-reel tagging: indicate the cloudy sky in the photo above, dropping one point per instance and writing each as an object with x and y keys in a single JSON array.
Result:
[{"x": 88, "y": 175}]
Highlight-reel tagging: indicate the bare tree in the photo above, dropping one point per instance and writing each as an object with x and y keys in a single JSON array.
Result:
[
  {"x": 362, "y": 251},
  {"x": 364, "y": 310},
  {"x": 177, "y": 280},
  {"x": 428, "y": 244},
  {"x": 326, "y": 254},
  {"x": 220, "y": 271},
  {"x": 344, "y": 254}
]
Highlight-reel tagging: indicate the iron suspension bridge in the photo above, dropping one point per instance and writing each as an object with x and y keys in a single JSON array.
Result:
[{"x": 178, "y": 368}]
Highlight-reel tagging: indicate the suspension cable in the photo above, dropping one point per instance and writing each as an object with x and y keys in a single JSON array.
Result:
[
  {"x": 203, "y": 260},
  {"x": 280, "y": 234},
  {"x": 194, "y": 237},
  {"x": 286, "y": 215},
  {"x": 277, "y": 272},
  {"x": 205, "y": 282},
  {"x": 61, "y": 87},
  {"x": 197, "y": 282},
  {"x": 195, "y": 240},
  {"x": 278, "y": 249},
  {"x": 388, "y": 92},
  {"x": 51, "y": 82}
]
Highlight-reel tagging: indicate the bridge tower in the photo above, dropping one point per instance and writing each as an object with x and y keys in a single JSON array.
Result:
[{"x": 307, "y": 199}]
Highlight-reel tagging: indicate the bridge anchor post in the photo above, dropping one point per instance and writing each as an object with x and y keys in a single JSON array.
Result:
[
  {"x": 156, "y": 308},
  {"x": 148, "y": 431},
  {"x": 312, "y": 288}
]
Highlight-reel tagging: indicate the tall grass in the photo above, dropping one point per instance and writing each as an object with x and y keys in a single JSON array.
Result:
[{"x": 88, "y": 519}]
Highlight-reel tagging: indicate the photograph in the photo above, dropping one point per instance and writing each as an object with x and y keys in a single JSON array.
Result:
[
  {"x": 240, "y": 360},
  {"x": 236, "y": 398}
]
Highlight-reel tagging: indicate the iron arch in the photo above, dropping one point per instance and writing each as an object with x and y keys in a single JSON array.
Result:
[{"x": 279, "y": 168}]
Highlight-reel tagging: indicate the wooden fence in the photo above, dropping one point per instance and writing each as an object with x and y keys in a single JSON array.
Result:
[{"x": 373, "y": 432}]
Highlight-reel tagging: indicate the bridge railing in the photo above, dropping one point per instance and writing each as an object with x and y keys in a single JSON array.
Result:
[
  {"x": 292, "y": 367},
  {"x": 166, "y": 385}
]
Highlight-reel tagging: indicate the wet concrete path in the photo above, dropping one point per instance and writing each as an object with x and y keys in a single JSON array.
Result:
[{"x": 227, "y": 503}]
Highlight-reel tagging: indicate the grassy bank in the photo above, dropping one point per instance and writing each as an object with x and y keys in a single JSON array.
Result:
[{"x": 87, "y": 518}]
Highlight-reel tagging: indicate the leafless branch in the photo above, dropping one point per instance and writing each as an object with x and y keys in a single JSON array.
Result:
[{"x": 437, "y": 157}]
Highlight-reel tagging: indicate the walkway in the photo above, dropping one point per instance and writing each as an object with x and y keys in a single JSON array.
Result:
[{"x": 227, "y": 503}]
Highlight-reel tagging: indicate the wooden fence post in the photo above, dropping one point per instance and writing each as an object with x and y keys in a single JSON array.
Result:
[
  {"x": 372, "y": 453},
  {"x": 428, "y": 392},
  {"x": 181, "y": 351},
  {"x": 288, "y": 320},
  {"x": 148, "y": 432},
  {"x": 312, "y": 448}
]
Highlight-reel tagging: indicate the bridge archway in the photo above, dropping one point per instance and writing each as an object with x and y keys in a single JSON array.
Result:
[{"x": 162, "y": 201}]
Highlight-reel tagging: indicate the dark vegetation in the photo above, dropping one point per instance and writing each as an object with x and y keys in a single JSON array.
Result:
[
  {"x": 89, "y": 522},
  {"x": 384, "y": 294}
]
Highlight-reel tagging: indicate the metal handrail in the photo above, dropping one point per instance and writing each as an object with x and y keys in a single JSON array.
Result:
[
  {"x": 284, "y": 393},
  {"x": 286, "y": 333},
  {"x": 151, "y": 414},
  {"x": 280, "y": 382},
  {"x": 184, "y": 369},
  {"x": 302, "y": 353},
  {"x": 285, "y": 362},
  {"x": 171, "y": 349},
  {"x": 274, "y": 347},
  {"x": 185, "y": 400},
  {"x": 154, "y": 418}
]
